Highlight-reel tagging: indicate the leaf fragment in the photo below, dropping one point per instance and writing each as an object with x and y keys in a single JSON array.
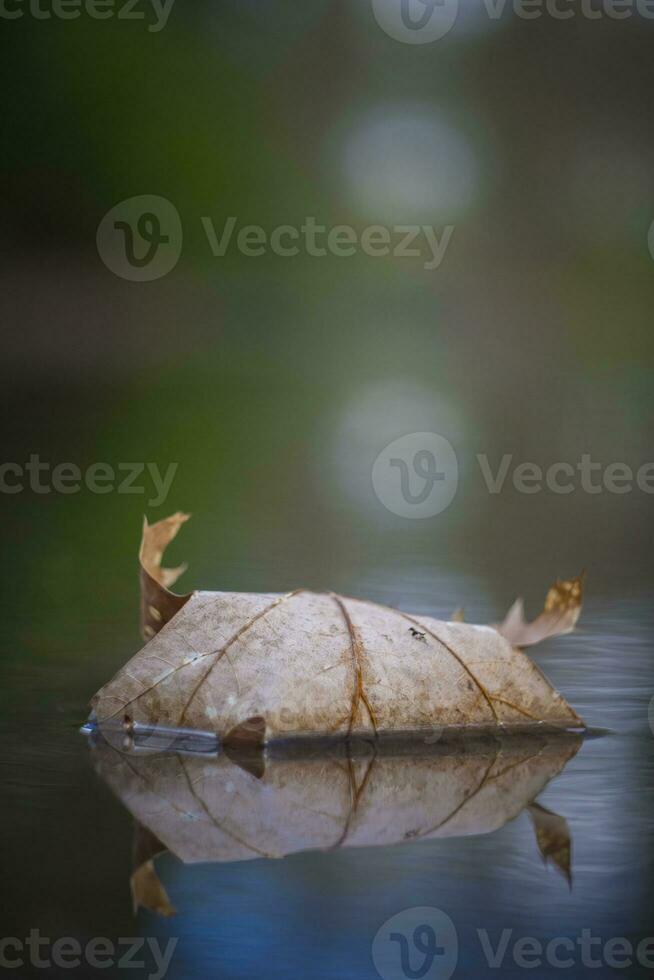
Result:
[
  {"x": 553, "y": 838},
  {"x": 147, "y": 890},
  {"x": 247, "y": 735},
  {"x": 244, "y": 744},
  {"x": 158, "y": 604},
  {"x": 560, "y": 614}
]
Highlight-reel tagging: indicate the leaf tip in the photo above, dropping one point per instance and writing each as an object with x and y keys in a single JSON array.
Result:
[
  {"x": 561, "y": 611},
  {"x": 158, "y": 604}
]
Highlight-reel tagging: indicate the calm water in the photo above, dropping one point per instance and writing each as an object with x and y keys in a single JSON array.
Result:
[{"x": 316, "y": 913}]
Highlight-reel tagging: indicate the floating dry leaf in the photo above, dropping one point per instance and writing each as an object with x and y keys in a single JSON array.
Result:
[{"x": 306, "y": 663}]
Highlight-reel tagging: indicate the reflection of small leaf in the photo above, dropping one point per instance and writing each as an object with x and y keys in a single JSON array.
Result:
[
  {"x": 553, "y": 838},
  {"x": 559, "y": 615},
  {"x": 307, "y": 664},
  {"x": 147, "y": 890}
]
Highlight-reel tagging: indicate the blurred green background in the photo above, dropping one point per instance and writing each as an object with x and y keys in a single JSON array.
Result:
[{"x": 275, "y": 382}]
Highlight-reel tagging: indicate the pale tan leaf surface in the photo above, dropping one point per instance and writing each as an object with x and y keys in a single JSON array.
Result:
[
  {"x": 553, "y": 838},
  {"x": 560, "y": 614},
  {"x": 208, "y": 809},
  {"x": 310, "y": 663}
]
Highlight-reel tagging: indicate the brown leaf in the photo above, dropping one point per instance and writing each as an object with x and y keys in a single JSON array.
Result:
[
  {"x": 553, "y": 838},
  {"x": 560, "y": 614},
  {"x": 316, "y": 664},
  {"x": 158, "y": 605}
]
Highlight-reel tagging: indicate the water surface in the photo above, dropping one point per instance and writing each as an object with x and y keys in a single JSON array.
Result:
[{"x": 316, "y": 912}]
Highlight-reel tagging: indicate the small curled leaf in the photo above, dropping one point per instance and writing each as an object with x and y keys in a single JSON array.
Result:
[
  {"x": 158, "y": 604},
  {"x": 560, "y": 614}
]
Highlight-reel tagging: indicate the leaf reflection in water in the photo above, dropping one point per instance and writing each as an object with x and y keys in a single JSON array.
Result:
[{"x": 320, "y": 794}]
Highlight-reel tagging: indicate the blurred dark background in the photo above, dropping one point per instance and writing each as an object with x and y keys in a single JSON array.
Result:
[{"x": 275, "y": 382}]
